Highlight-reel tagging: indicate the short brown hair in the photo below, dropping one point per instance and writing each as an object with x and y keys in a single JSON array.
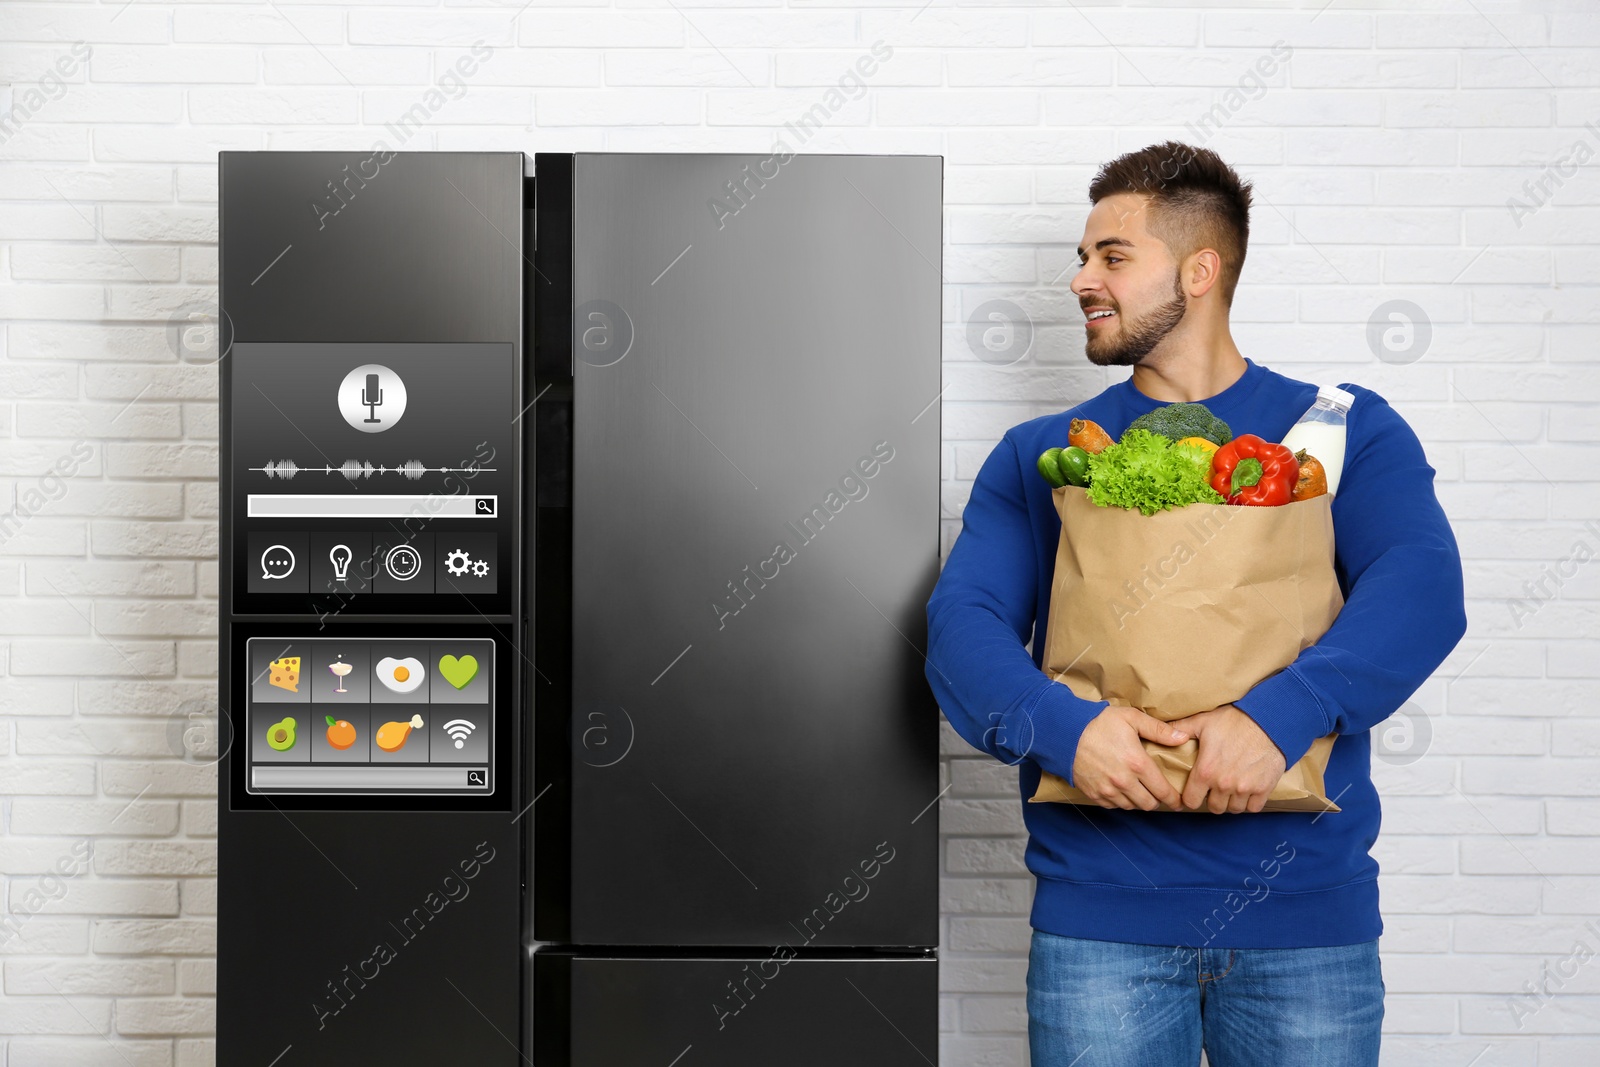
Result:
[{"x": 1197, "y": 201}]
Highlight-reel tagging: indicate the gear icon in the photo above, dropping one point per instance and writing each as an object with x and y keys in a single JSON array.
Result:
[
  {"x": 456, "y": 561},
  {"x": 480, "y": 568}
]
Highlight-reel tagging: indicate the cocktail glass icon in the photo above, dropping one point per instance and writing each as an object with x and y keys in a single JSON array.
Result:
[{"x": 340, "y": 668}]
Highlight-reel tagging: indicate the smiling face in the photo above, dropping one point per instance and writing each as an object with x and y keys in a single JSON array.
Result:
[{"x": 1131, "y": 274}]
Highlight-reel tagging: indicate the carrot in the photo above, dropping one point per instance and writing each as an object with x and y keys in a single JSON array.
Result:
[
  {"x": 1088, "y": 435},
  {"x": 1313, "y": 478}
]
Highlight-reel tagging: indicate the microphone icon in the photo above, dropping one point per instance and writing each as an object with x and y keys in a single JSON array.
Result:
[
  {"x": 372, "y": 397},
  {"x": 365, "y": 389}
]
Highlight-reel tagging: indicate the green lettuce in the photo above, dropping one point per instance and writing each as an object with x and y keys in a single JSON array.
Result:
[{"x": 1147, "y": 471}]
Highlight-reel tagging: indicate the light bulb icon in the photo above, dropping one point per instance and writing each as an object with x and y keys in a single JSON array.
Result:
[{"x": 340, "y": 556}]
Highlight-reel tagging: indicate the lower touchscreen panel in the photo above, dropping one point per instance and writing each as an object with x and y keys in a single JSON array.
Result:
[{"x": 370, "y": 716}]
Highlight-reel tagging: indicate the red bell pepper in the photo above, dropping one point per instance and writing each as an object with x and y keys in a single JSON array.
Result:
[{"x": 1250, "y": 471}]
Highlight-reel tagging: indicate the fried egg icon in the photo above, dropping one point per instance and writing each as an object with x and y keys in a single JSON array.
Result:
[{"x": 400, "y": 675}]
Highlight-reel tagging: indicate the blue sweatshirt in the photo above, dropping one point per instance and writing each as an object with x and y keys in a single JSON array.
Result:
[{"x": 1248, "y": 880}]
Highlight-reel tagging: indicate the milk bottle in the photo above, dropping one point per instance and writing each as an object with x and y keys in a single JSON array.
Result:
[{"x": 1320, "y": 431}]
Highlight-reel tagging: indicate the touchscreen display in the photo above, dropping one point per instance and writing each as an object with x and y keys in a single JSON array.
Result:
[
  {"x": 372, "y": 478},
  {"x": 370, "y": 716}
]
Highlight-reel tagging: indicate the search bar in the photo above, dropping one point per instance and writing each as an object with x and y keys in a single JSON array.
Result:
[
  {"x": 394, "y": 506},
  {"x": 369, "y": 777}
]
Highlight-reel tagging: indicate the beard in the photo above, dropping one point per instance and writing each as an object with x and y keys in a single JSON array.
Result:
[{"x": 1134, "y": 339}]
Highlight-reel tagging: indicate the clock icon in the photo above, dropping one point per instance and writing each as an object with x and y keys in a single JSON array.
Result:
[{"x": 403, "y": 563}]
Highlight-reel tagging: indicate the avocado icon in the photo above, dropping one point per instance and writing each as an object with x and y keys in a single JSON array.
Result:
[{"x": 280, "y": 735}]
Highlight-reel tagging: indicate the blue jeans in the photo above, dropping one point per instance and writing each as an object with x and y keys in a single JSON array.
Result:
[{"x": 1114, "y": 1004}]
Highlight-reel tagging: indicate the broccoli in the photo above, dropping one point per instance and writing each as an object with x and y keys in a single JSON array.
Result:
[{"x": 1177, "y": 421}]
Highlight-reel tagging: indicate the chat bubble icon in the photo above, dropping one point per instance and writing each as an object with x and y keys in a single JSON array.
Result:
[{"x": 277, "y": 562}]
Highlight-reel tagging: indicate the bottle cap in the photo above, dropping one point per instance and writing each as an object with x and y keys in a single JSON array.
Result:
[{"x": 1341, "y": 398}]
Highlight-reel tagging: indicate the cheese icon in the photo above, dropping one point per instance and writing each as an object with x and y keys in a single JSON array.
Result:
[{"x": 285, "y": 673}]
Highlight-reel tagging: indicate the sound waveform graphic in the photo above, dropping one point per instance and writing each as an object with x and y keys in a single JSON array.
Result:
[{"x": 356, "y": 469}]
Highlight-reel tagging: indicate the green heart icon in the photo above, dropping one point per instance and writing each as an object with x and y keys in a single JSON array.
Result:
[{"x": 458, "y": 672}]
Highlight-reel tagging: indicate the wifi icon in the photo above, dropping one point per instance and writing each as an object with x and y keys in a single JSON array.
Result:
[{"x": 459, "y": 730}]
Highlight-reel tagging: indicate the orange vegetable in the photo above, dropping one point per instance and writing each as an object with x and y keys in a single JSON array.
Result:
[
  {"x": 1088, "y": 435},
  {"x": 1200, "y": 442},
  {"x": 1313, "y": 479}
]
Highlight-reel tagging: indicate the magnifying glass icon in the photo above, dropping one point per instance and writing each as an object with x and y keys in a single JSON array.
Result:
[
  {"x": 485, "y": 507},
  {"x": 474, "y": 777}
]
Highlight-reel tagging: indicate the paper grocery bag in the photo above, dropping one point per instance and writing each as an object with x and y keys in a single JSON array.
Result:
[{"x": 1186, "y": 610}]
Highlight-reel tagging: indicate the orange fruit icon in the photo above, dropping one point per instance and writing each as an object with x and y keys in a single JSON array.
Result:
[{"x": 341, "y": 734}]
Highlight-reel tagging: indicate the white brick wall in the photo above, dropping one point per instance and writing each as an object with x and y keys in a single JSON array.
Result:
[{"x": 1384, "y": 151}]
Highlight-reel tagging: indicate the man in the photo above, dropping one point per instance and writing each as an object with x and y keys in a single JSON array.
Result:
[{"x": 1250, "y": 933}]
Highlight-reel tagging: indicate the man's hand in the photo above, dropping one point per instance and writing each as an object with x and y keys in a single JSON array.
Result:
[
  {"x": 1113, "y": 769},
  {"x": 1237, "y": 765}
]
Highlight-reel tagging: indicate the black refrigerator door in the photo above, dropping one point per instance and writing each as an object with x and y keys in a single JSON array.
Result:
[
  {"x": 727, "y": 1011},
  {"x": 370, "y": 893},
  {"x": 739, "y": 483}
]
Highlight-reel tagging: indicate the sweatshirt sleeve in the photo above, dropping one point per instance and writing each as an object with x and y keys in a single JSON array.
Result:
[
  {"x": 1406, "y": 606},
  {"x": 980, "y": 616}
]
